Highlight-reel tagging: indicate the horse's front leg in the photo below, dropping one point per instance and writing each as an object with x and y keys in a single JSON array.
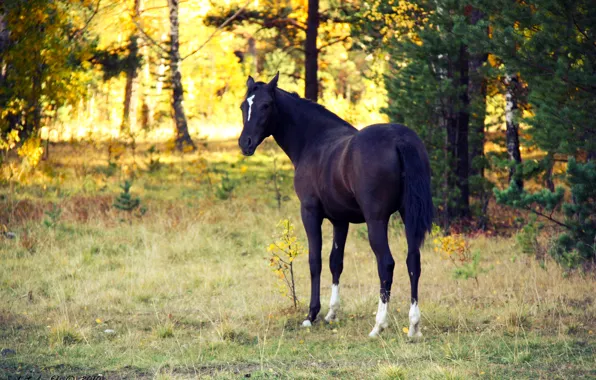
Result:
[{"x": 312, "y": 220}]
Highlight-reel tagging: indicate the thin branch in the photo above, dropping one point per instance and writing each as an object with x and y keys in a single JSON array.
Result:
[
  {"x": 79, "y": 32},
  {"x": 219, "y": 28},
  {"x": 583, "y": 32},
  {"x": 333, "y": 42},
  {"x": 162, "y": 6},
  {"x": 547, "y": 217},
  {"x": 281, "y": 23},
  {"x": 148, "y": 37}
]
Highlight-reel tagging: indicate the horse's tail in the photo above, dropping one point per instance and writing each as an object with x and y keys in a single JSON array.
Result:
[{"x": 417, "y": 200}]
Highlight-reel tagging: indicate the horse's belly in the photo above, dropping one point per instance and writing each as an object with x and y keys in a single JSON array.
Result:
[{"x": 345, "y": 210}]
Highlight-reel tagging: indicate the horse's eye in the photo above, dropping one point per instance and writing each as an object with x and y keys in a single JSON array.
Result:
[{"x": 265, "y": 106}]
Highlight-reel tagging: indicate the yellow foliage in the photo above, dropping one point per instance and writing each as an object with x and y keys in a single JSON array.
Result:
[
  {"x": 31, "y": 152},
  {"x": 454, "y": 247},
  {"x": 282, "y": 255},
  {"x": 11, "y": 140}
]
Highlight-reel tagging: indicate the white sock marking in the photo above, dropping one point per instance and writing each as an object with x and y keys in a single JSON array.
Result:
[
  {"x": 414, "y": 330},
  {"x": 306, "y": 323},
  {"x": 250, "y": 100},
  {"x": 381, "y": 319},
  {"x": 333, "y": 304}
]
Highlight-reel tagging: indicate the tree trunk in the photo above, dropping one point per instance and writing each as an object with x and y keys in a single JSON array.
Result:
[
  {"x": 129, "y": 114},
  {"x": 147, "y": 104},
  {"x": 477, "y": 97},
  {"x": 183, "y": 139},
  {"x": 4, "y": 41},
  {"x": 252, "y": 52},
  {"x": 548, "y": 172},
  {"x": 461, "y": 150},
  {"x": 311, "y": 86},
  {"x": 512, "y": 131}
]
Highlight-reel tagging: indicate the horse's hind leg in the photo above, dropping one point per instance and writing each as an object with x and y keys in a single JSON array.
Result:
[
  {"x": 336, "y": 265},
  {"x": 414, "y": 270},
  {"x": 377, "y": 236},
  {"x": 413, "y": 262}
]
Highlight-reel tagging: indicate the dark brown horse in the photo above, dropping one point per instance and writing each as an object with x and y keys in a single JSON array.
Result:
[{"x": 346, "y": 176}]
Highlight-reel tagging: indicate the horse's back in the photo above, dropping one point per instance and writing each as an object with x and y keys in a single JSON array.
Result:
[{"x": 359, "y": 175}]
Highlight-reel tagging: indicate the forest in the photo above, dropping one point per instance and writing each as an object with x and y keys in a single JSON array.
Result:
[{"x": 136, "y": 240}]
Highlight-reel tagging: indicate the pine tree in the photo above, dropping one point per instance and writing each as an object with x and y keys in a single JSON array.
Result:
[
  {"x": 128, "y": 203},
  {"x": 577, "y": 243},
  {"x": 432, "y": 47},
  {"x": 552, "y": 45}
]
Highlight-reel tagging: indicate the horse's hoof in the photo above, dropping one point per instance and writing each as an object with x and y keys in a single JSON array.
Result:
[
  {"x": 414, "y": 332},
  {"x": 307, "y": 323},
  {"x": 331, "y": 317},
  {"x": 374, "y": 333}
]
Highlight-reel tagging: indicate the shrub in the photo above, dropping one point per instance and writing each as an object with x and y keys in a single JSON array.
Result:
[
  {"x": 455, "y": 248},
  {"x": 282, "y": 255},
  {"x": 576, "y": 243}
]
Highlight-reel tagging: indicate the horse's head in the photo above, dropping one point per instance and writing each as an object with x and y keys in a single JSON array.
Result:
[{"x": 258, "y": 109}]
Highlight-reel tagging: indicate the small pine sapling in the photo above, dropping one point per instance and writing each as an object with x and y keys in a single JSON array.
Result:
[
  {"x": 226, "y": 186},
  {"x": 126, "y": 202},
  {"x": 52, "y": 217}
]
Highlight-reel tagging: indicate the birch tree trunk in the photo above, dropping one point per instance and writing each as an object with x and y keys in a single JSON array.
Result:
[
  {"x": 4, "y": 36},
  {"x": 311, "y": 86},
  {"x": 183, "y": 139},
  {"x": 512, "y": 126},
  {"x": 129, "y": 114}
]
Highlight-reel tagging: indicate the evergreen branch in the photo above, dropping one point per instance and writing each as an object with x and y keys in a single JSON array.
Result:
[
  {"x": 219, "y": 28},
  {"x": 548, "y": 217},
  {"x": 589, "y": 90}
]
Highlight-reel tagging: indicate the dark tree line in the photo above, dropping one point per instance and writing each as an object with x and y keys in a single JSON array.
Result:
[{"x": 446, "y": 57}]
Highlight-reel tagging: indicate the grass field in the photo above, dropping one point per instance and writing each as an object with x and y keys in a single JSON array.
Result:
[{"x": 185, "y": 290}]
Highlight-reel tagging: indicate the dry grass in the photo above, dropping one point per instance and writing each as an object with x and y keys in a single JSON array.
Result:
[{"x": 185, "y": 290}]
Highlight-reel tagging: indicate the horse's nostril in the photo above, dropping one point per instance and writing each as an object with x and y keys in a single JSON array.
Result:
[{"x": 249, "y": 141}]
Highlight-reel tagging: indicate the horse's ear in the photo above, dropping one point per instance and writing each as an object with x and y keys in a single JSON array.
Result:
[
  {"x": 273, "y": 83},
  {"x": 250, "y": 82}
]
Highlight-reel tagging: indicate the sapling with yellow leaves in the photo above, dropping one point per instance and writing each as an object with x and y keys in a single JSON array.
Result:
[
  {"x": 283, "y": 252},
  {"x": 455, "y": 247}
]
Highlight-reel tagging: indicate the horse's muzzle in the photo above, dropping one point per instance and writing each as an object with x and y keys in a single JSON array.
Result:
[{"x": 247, "y": 146}]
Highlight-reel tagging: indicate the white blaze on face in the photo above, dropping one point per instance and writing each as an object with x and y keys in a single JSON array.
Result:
[
  {"x": 381, "y": 319},
  {"x": 333, "y": 304},
  {"x": 249, "y": 100}
]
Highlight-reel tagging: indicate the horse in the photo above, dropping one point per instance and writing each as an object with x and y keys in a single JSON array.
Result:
[{"x": 346, "y": 176}]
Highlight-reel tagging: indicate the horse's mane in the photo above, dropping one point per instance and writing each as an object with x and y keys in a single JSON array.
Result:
[{"x": 307, "y": 103}]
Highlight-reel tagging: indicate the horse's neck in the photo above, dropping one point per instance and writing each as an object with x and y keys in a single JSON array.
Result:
[{"x": 296, "y": 131}]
